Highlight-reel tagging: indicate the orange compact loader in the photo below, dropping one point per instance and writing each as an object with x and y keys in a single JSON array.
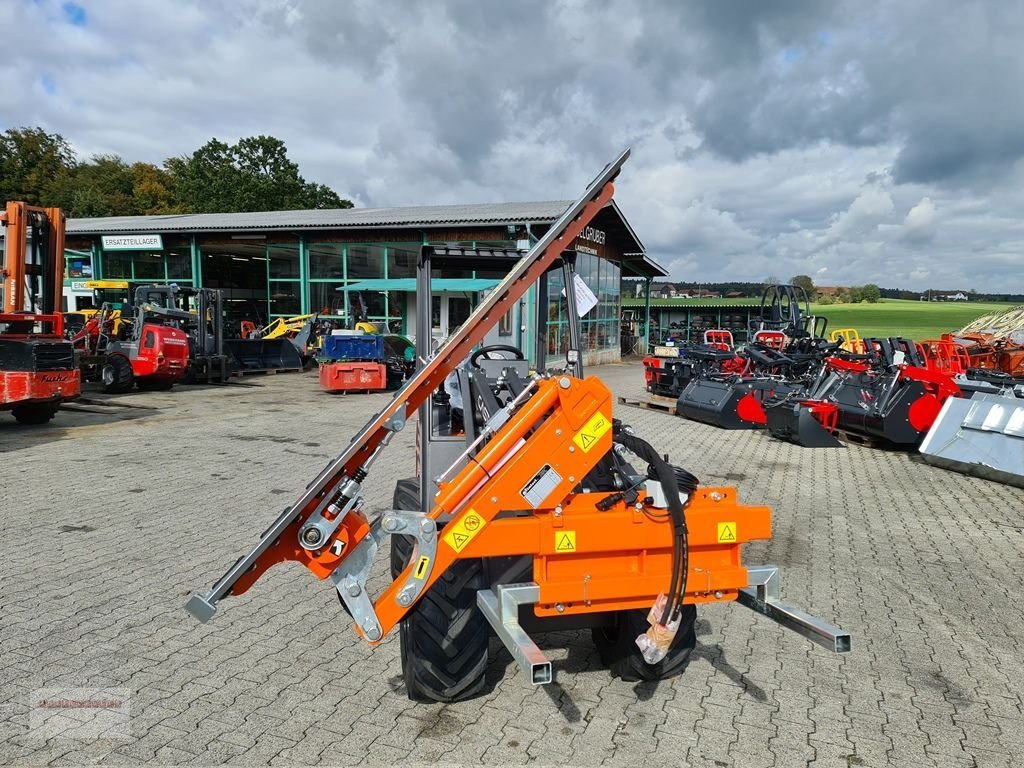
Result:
[{"x": 527, "y": 512}]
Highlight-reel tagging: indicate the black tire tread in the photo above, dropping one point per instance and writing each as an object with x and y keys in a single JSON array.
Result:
[
  {"x": 34, "y": 413},
  {"x": 619, "y": 652},
  {"x": 444, "y": 638},
  {"x": 124, "y": 378}
]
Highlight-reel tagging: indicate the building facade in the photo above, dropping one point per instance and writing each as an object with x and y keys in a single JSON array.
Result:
[{"x": 359, "y": 263}]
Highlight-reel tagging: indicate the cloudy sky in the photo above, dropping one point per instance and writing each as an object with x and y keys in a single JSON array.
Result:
[{"x": 852, "y": 141}]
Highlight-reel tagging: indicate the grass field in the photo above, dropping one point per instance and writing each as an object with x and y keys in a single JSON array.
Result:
[{"x": 913, "y": 319}]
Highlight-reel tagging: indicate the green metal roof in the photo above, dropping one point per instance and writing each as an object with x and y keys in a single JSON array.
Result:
[
  {"x": 443, "y": 285},
  {"x": 694, "y": 303}
]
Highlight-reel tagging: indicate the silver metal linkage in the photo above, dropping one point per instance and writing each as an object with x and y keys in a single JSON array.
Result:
[
  {"x": 493, "y": 425},
  {"x": 317, "y": 529},
  {"x": 424, "y": 530},
  {"x": 502, "y": 613},
  {"x": 763, "y": 596},
  {"x": 350, "y": 580},
  {"x": 350, "y": 577}
]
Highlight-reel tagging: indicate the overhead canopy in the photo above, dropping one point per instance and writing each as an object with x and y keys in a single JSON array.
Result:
[
  {"x": 641, "y": 265},
  {"x": 441, "y": 285}
]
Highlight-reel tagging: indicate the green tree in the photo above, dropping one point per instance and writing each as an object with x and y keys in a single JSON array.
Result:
[
  {"x": 101, "y": 187},
  {"x": 151, "y": 191},
  {"x": 870, "y": 293},
  {"x": 206, "y": 181},
  {"x": 805, "y": 282},
  {"x": 321, "y": 196},
  {"x": 108, "y": 186},
  {"x": 34, "y": 165},
  {"x": 253, "y": 175}
]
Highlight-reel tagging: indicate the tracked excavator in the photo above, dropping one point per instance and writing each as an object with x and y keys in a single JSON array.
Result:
[{"x": 533, "y": 509}]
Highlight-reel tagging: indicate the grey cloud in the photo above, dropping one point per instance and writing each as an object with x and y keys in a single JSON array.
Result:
[{"x": 769, "y": 137}]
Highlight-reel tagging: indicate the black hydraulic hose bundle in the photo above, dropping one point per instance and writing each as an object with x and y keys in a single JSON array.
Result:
[{"x": 674, "y": 481}]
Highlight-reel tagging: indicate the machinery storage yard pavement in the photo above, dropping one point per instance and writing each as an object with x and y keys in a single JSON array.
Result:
[{"x": 114, "y": 516}]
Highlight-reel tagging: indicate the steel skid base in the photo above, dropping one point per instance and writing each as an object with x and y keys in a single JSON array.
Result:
[
  {"x": 501, "y": 609},
  {"x": 763, "y": 596},
  {"x": 502, "y": 613}
]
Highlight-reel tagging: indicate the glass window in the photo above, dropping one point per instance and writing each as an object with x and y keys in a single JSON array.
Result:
[
  {"x": 459, "y": 309},
  {"x": 555, "y": 339},
  {"x": 117, "y": 265},
  {"x": 402, "y": 261},
  {"x": 179, "y": 265},
  {"x": 326, "y": 299},
  {"x": 365, "y": 261},
  {"x": 284, "y": 298},
  {"x": 79, "y": 268},
  {"x": 149, "y": 266},
  {"x": 284, "y": 260},
  {"x": 326, "y": 261},
  {"x": 376, "y": 306}
]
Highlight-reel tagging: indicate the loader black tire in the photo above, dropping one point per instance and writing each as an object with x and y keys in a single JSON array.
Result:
[
  {"x": 35, "y": 413},
  {"x": 619, "y": 652},
  {"x": 444, "y": 638},
  {"x": 116, "y": 374}
]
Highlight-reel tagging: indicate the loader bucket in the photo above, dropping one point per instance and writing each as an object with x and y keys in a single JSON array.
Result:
[
  {"x": 875, "y": 409},
  {"x": 253, "y": 355},
  {"x": 808, "y": 423},
  {"x": 725, "y": 404},
  {"x": 982, "y": 436}
]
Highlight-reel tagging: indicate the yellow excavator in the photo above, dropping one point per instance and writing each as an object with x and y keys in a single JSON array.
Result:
[{"x": 113, "y": 292}]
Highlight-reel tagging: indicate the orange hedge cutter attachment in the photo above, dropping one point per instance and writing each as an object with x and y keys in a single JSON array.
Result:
[{"x": 522, "y": 489}]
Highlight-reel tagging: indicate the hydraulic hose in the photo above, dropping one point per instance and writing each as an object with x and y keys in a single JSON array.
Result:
[{"x": 672, "y": 481}]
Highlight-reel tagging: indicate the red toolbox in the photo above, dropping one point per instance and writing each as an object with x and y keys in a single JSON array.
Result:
[{"x": 345, "y": 377}]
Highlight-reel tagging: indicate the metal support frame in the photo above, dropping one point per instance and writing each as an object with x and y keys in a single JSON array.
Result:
[
  {"x": 502, "y": 612},
  {"x": 540, "y": 339},
  {"x": 764, "y": 596},
  {"x": 647, "y": 316},
  {"x": 574, "y": 355},
  {"x": 424, "y": 337}
]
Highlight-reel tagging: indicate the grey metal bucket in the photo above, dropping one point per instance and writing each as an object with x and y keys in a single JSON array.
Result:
[
  {"x": 252, "y": 355},
  {"x": 982, "y": 436}
]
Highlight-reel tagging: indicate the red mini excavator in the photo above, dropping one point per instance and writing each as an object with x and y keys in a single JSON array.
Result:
[
  {"x": 37, "y": 366},
  {"x": 527, "y": 512}
]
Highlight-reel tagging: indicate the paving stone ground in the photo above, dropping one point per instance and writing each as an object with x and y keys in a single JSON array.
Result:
[{"x": 112, "y": 517}]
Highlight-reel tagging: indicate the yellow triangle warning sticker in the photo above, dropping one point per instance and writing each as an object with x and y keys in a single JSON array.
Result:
[
  {"x": 592, "y": 431},
  {"x": 459, "y": 533},
  {"x": 565, "y": 541},
  {"x": 726, "y": 533}
]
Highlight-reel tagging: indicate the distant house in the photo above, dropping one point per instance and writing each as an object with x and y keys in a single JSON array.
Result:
[
  {"x": 828, "y": 290},
  {"x": 958, "y": 296},
  {"x": 666, "y": 291},
  {"x": 735, "y": 295}
]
